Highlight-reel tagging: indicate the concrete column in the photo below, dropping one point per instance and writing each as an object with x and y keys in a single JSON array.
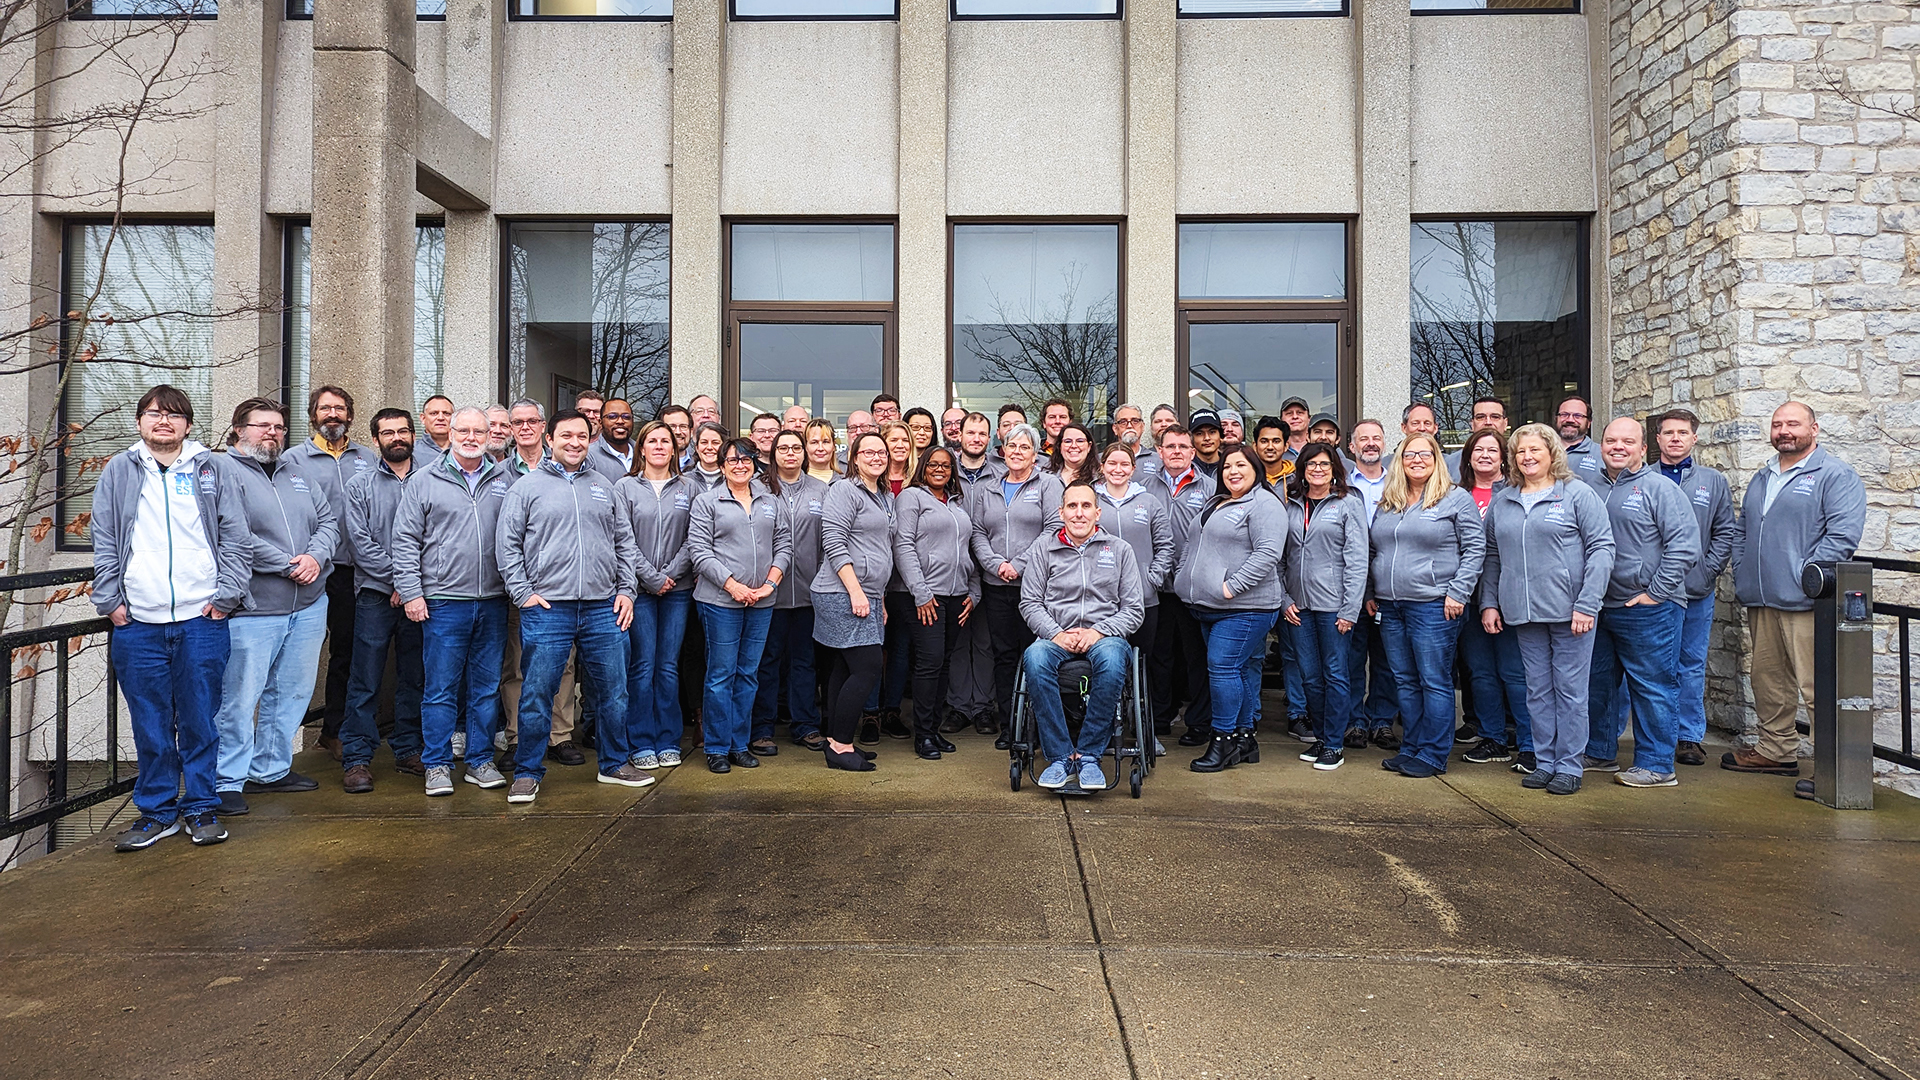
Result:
[
  {"x": 1384, "y": 282},
  {"x": 247, "y": 264},
  {"x": 363, "y": 196},
  {"x": 472, "y": 282},
  {"x": 923, "y": 202},
  {"x": 699, "y": 41},
  {"x": 1152, "y": 236}
]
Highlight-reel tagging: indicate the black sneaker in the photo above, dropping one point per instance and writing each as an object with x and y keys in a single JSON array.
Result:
[
  {"x": 1385, "y": 739},
  {"x": 1485, "y": 751},
  {"x": 1330, "y": 759},
  {"x": 292, "y": 782},
  {"x": 1356, "y": 738},
  {"x": 869, "y": 729},
  {"x": 566, "y": 753},
  {"x": 233, "y": 804},
  {"x": 1300, "y": 729},
  {"x": 1313, "y": 752},
  {"x": 1524, "y": 763},
  {"x": 1466, "y": 733},
  {"x": 145, "y": 833},
  {"x": 205, "y": 829}
]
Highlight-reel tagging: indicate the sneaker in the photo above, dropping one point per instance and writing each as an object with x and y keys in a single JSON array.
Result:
[
  {"x": 1418, "y": 770},
  {"x": 485, "y": 776},
  {"x": 626, "y": 776},
  {"x": 1385, "y": 739},
  {"x": 892, "y": 726},
  {"x": 1091, "y": 778},
  {"x": 459, "y": 744},
  {"x": 1745, "y": 760},
  {"x": 1487, "y": 750},
  {"x": 523, "y": 790},
  {"x": 205, "y": 830},
  {"x": 1300, "y": 729},
  {"x": 1356, "y": 738},
  {"x": 669, "y": 758},
  {"x": 439, "y": 780},
  {"x": 1639, "y": 777},
  {"x": 1393, "y": 763},
  {"x": 1690, "y": 753},
  {"x": 292, "y": 782},
  {"x": 1465, "y": 734},
  {"x": 1054, "y": 776},
  {"x": 1312, "y": 753},
  {"x": 1563, "y": 784},
  {"x": 145, "y": 833},
  {"x": 1536, "y": 780},
  {"x": 1594, "y": 764},
  {"x": 1524, "y": 763},
  {"x": 1330, "y": 759},
  {"x": 233, "y": 804},
  {"x": 645, "y": 759}
]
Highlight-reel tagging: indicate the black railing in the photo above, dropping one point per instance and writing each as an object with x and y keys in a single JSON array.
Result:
[
  {"x": 60, "y": 800},
  {"x": 1905, "y": 614}
]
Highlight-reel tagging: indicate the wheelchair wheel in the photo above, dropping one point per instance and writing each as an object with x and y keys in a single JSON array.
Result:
[
  {"x": 1013, "y": 774},
  {"x": 1136, "y": 774}
]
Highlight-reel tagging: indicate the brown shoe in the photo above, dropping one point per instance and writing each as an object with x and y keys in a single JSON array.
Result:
[
  {"x": 566, "y": 753},
  {"x": 331, "y": 745},
  {"x": 1745, "y": 760},
  {"x": 358, "y": 781},
  {"x": 410, "y": 765}
]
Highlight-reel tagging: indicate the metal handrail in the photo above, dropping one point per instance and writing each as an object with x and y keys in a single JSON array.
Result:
[{"x": 1906, "y": 614}]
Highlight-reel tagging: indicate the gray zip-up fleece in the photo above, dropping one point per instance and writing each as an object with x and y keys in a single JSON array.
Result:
[
  {"x": 1143, "y": 522},
  {"x": 806, "y": 504},
  {"x": 606, "y": 461},
  {"x": 562, "y": 537},
  {"x": 333, "y": 474},
  {"x": 1656, "y": 541},
  {"x": 1184, "y": 504},
  {"x": 373, "y": 505},
  {"x": 1003, "y": 533},
  {"x": 742, "y": 543},
  {"x": 1426, "y": 554},
  {"x": 444, "y": 538},
  {"x": 1238, "y": 543},
  {"x": 1583, "y": 458},
  {"x": 932, "y": 543},
  {"x": 1712, "y": 500},
  {"x": 116, "y": 502},
  {"x": 856, "y": 529},
  {"x": 288, "y": 516},
  {"x": 1818, "y": 518},
  {"x": 659, "y": 524},
  {"x": 1093, "y": 586},
  {"x": 1546, "y": 563},
  {"x": 1327, "y": 556}
]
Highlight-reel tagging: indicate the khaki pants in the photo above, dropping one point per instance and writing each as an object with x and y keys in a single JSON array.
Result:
[
  {"x": 1782, "y": 677},
  {"x": 563, "y": 702}
]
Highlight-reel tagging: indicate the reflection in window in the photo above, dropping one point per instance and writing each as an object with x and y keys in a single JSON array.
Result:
[
  {"x": 613, "y": 9},
  {"x": 1263, "y": 260},
  {"x": 424, "y": 9},
  {"x": 587, "y": 308},
  {"x": 156, "y": 281},
  {"x": 147, "y": 9},
  {"x": 830, "y": 369},
  {"x": 815, "y": 9},
  {"x": 813, "y": 262},
  {"x": 1255, "y": 366},
  {"x": 1036, "y": 316},
  {"x": 429, "y": 324},
  {"x": 1035, "y": 9},
  {"x": 1544, "y": 7},
  {"x": 1498, "y": 308},
  {"x": 1263, "y": 7}
]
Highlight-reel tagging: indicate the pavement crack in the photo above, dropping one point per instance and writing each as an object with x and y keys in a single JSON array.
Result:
[{"x": 1099, "y": 943}]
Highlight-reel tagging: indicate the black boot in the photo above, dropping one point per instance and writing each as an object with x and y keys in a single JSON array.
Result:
[
  {"x": 1249, "y": 748},
  {"x": 1222, "y": 753},
  {"x": 925, "y": 748}
]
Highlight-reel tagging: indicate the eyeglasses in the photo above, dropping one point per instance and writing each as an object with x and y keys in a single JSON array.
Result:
[
  {"x": 1417, "y": 455},
  {"x": 1136, "y": 422},
  {"x": 873, "y": 450},
  {"x": 1572, "y": 415},
  {"x": 163, "y": 414},
  {"x": 271, "y": 429},
  {"x": 616, "y": 416},
  {"x": 531, "y": 421},
  {"x": 737, "y": 460}
]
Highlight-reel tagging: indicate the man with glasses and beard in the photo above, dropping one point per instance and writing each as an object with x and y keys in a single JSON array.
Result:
[
  {"x": 330, "y": 459},
  {"x": 1573, "y": 420},
  {"x": 611, "y": 455},
  {"x": 499, "y": 432}
]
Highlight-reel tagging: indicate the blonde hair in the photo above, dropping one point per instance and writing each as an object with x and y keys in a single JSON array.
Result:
[
  {"x": 1556, "y": 451},
  {"x": 1398, "y": 495},
  {"x": 913, "y": 452}
]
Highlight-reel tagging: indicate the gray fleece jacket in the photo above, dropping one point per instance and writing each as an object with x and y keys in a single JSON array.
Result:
[
  {"x": 1184, "y": 502},
  {"x": 1143, "y": 522},
  {"x": 1003, "y": 532},
  {"x": 729, "y": 540},
  {"x": 1712, "y": 500},
  {"x": 373, "y": 505},
  {"x": 1423, "y": 554},
  {"x": 562, "y": 536},
  {"x": 288, "y": 516},
  {"x": 806, "y": 504},
  {"x": 1239, "y": 544},
  {"x": 1327, "y": 554},
  {"x": 856, "y": 529},
  {"x": 659, "y": 524},
  {"x": 333, "y": 475},
  {"x": 223, "y": 519},
  {"x": 932, "y": 543},
  {"x": 1545, "y": 563},
  {"x": 1655, "y": 538},
  {"x": 445, "y": 543},
  {"x": 1819, "y": 517},
  {"x": 1095, "y": 585}
]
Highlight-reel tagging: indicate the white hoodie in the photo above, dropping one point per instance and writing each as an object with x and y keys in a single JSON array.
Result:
[{"x": 170, "y": 573}]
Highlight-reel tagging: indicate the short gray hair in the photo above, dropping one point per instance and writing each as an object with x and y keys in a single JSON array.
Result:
[
  {"x": 526, "y": 402},
  {"x": 464, "y": 410},
  {"x": 1024, "y": 431},
  {"x": 1129, "y": 405}
]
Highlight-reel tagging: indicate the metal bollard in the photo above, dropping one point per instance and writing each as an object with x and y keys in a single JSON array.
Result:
[{"x": 1842, "y": 682}]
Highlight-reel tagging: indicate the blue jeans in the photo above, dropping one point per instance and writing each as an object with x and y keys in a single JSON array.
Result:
[
  {"x": 1236, "y": 642},
  {"x": 170, "y": 674},
  {"x": 378, "y": 626},
  {"x": 464, "y": 642},
  {"x": 1420, "y": 640},
  {"x": 1559, "y": 666},
  {"x": 653, "y": 670},
  {"x": 1695, "y": 632},
  {"x": 548, "y": 635},
  {"x": 1292, "y": 667},
  {"x": 1499, "y": 681},
  {"x": 1374, "y": 702},
  {"x": 735, "y": 639},
  {"x": 270, "y": 668},
  {"x": 1320, "y": 650},
  {"x": 1109, "y": 657},
  {"x": 1643, "y": 644},
  {"x": 787, "y": 658}
]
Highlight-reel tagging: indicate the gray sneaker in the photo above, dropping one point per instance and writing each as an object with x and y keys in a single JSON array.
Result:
[
  {"x": 1594, "y": 764},
  {"x": 204, "y": 829},
  {"x": 523, "y": 790},
  {"x": 145, "y": 833},
  {"x": 627, "y": 776},
  {"x": 645, "y": 759},
  {"x": 1536, "y": 779},
  {"x": 1564, "y": 783},
  {"x": 485, "y": 776},
  {"x": 439, "y": 780},
  {"x": 1639, "y": 777},
  {"x": 669, "y": 758}
]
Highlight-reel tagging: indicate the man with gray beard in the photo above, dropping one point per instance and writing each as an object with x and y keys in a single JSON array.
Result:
[
  {"x": 499, "y": 432},
  {"x": 330, "y": 459}
]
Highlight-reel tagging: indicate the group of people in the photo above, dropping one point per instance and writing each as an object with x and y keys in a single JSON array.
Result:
[{"x": 1556, "y": 584}]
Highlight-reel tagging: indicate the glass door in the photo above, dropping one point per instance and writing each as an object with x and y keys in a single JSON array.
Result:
[
  {"x": 827, "y": 363},
  {"x": 1253, "y": 361}
]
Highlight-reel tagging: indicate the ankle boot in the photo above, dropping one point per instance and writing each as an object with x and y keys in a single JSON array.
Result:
[
  {"x": 1222, "y": 753},
  {"x": 1249, "y": 747}
]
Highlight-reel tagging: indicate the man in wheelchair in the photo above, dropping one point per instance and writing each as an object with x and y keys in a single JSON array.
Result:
[{"x": 1081, "y": 596}]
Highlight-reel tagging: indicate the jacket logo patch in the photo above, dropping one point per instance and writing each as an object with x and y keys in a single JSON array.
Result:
[
  {"x": 814, "y": 507},
  {"x": 1702, "y": 496},
  {"x": 1030, "y": 497},
  {"x": 1802, "y": 487},
  {"x": 1556, "y": 512},
  {"x": 1634, "y": 501},
  {"x": 182, "y": 484},
  {"x": 681, "y": 502},
  {"x": 499, "y": 490},
  {"x": 597, "y": 493},
  {"x": 298, "y": 483},
  {"x": 1105, "y": 558},
  {"x": 1143, "y": 516}
]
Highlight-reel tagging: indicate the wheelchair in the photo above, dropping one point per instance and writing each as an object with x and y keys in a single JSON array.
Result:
[{"x": 1130, "y": 753}]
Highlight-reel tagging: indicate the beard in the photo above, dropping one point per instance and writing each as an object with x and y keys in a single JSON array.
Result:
[
  {"x": 1571, "y": 433},
  {"x": 497, "y": 447},
  {"x": 1788, "y": 443},
  {"x": 1131, "y": 438},
  {"x": 332, "y": 430},
  {"x": 396, "y": 452},
  {"x": 264, "y": 453}
]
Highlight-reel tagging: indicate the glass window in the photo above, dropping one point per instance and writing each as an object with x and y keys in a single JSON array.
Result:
[
  {"x": 815, "y": 9},
  {"x": 1036, "y": 9},
  {"x": 1255, "y": 366},
  {"x": 823, "y": 262},
  {"x": 424, "y": 9},
  {"x": 1232, "y": 8},
  {"x": 830, "y": 369},
  {"x": 146, "y": 9},
  {"x": 1036, "y": 315},
  {"x": 429, "y": 323},
  {"x": 587, "y": 307},
  {"x": 156, "y": 281},
  {"x": 1464, "y": 7},
  {"x": 1499, "y": 307},
  {"x": 1263, "y": 260},
  {"x": 602, "y": 9}
]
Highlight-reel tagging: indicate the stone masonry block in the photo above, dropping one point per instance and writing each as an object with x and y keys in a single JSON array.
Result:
[
  {"x": 1768, "y": 191},
  {"x": 1788, "y": 158},
  {"x": 1760, "y": 23},
  {"x": 1853, "y": 220},
  {"x": 1886, "y": 76}
]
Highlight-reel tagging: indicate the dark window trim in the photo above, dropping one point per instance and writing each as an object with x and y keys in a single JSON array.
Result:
[
  {"x": 515, "y": 16},
  {"x": 1345, "y": 12},
  {"x": 287, "y": 226},
  {"x": 734, "y": 16},
  {"x": 1572, "y": 9},
  {"x": 1119, "y": 13}
]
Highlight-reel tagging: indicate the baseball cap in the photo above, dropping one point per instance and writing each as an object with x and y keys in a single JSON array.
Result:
[
  {"x": 1203, "y": 418},
  {"x": 1323, "y": 418},
  {"x": 1292, "y": 401}
]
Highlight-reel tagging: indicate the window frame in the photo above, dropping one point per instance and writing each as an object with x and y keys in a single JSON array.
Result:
[
  {"x": 734, "y": 16},
  {"x": 1345, "y": 12},
  {"x": 735, "y": 312},
  {"x": 1572, "y": 8},
  {"x": 1119, "y": 13},
  {"x": 1344, "y": 312},
  {"x": 290, "y": 15},
  {"x": 514, "y": 16},
  {"x": 84, "y": 13}
]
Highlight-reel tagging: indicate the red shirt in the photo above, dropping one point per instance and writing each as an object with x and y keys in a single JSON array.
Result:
[{"x": 1482, "y": 496}]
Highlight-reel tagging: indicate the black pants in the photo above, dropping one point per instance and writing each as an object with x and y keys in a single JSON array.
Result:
[
  {"x": 341, "y": 600},
  {"x": 933, "y": 650},
  {"x": 1010, "y": 639},
  {"x": 856, "y": 671},
  {"x": 1178, "y": 646}
]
